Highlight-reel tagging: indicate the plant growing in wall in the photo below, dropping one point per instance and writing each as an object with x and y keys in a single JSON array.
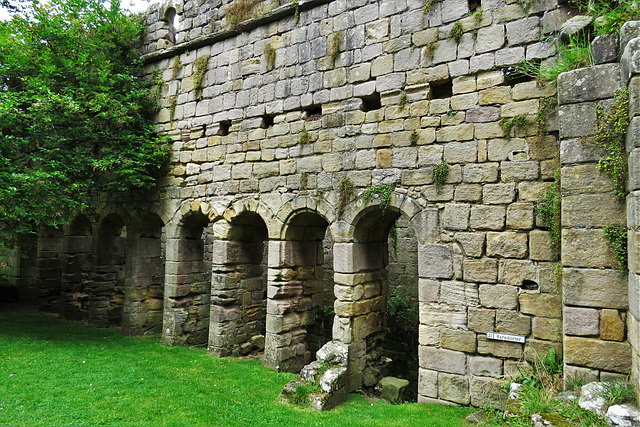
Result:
[
  {"x": 383, "y": 191},
  {"x": 171, "y": 103},
  {"x": 304, "y": 137},
  {"x": 611, "y": 131},
  {"x": 199, "y": 70},
  {"x": 296, "y": 14},
  {"x": 548, "y": 210},
  {"x": 456, "y": 31},
  {"x": 617, "y": 241},
  {"x": 158, "y": 81},
  {"x": 430, "y": 48},
  {"x": 520, "y": 121},
  {"x": 346, "y": 192},
  {"x": 240, "y": 11},
  {"x": 270, "y": 55},
  {"x": 402, "y": 101},
  {"x": 440, "y": 173},
  {"x": 428, "y": 5},
  {"x": 413, "y": 138},
  {"x": 334, "y": 50}
]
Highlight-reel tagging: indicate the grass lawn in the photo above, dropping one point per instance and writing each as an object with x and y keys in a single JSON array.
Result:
[{"x": 60, "y": 373}]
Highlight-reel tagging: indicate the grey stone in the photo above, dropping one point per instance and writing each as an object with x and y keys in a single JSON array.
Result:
[
  {"x": 579, "y": 24},
  {"x": 623, "y": 415},
  {"x": 589, "y": 84},
  {"x": 392, "y": 389},
  {"x": 604, "y": 48},
  {"x": 592, "y": 397},
  {"x": 630, "y": 60}
]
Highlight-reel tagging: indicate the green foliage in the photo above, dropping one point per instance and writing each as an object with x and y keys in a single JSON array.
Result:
[
  {"x": 296, "y": 14},
  {"x": 430, "y": 49},
  {"x": 451, "y": 112},
  {"x": 617, "y": 241},
  {"x": 440, "y": 173},
  {"x": 383, "y": 191},
  {"x": 402, "y": 102},
  {"x": 428, "y": 4},
  {"x": 302, "y": 392},
  {"x": 477, "y": 15},
  {"x": 519, "y": 121},
  {"x": 619, "y": 392},
  {"x": 158, "y": 81},
  {"x": 199, "y": 70},
  {"x": 393, "y": 237},
  {"x": 456, "y": 32},
  {"x": 176, "y": 67},
  {"x": 172, "y": 101},
  {"x": 346, "y": 192},
  {"x": 75, "y": 118},
  {"x": 304, "y": 137},
  {"x": 334, "y": 50},
  {"x": 548, "y": 210},
  {"x": 400, "y": 315},
  {"x": 270, "y": 55},
  {"x": 609, "y": 15},
  {"x": 413, "y": 138},
  {"x": 240, "y": 11},
  {"x": 547, "y": 107},
  {"x": 576, "y": 53},
  {"x": 611, "y": 130}
]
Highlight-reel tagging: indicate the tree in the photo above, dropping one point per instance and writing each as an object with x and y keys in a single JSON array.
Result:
[{"x": 76, "y": 119}]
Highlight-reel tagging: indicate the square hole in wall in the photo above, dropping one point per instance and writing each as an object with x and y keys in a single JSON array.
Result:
[
  {"x": 267, "y": 121},
  {"x": 223, "y": 128},
  {"x": 312, "y": 112},
  {"x": 441, "y": 90},
  {"x": 371, "y": 102}
]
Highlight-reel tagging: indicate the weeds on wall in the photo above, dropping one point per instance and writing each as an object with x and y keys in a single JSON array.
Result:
[
  {"x": 393, "y": 237},
  {"x": 548, "y": 210},
  {"x": 440, "y": 173},
  {"x": 430, "y": 49},
  {"x": 304, "y": 137},
  {"x": 609, "y": 16},
  {"x": 477, "y": 15},
  {"x": 176, "y": 67},
  {"x": 611, "y": 131},
  {"x": 240, "y": 11},
  {"x": 296, "y": 14},
  {"x": 456, "y": 32},
  {"x": 346, "y": 192},
  {"x": 171, "y": 103},
  {"x": 400, "y": 315},
  {"x": 507, "y": 124},
  {"x": 413, "y": 138},
  {"x": 158, "y": 81},
  {"x": 270, "y": 55},
  {"x": 199, "y": 70},
  {"x": 547, "y": 107},
  {"x": 428, "y": 5},
  {"x": 402, "y": 102},
  {"x": 617, "y": 241},
  {"x": 334, "y": 50},
  {"x": 381, "y": 190}
]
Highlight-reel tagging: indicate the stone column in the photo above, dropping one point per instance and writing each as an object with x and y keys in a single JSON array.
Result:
[
  {"x": 360, "y": 306},
  {"x": 144, "y": 285},
  {"x": 48, "y": 269},
  {"x": 106, "y": 295},
  {"x": 237, "y": 296},
  {"x": 187, "y": 288},
  {"x": 77, "y": 258},
  {"x": 594, "y": 292},
  {"x": 294, "y": 290}
]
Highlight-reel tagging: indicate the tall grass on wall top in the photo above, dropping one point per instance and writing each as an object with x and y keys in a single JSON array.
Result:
[{"x": 609, "y": 15}]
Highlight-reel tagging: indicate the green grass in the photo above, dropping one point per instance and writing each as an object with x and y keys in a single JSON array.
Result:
[{"x": 60, "y": 373}]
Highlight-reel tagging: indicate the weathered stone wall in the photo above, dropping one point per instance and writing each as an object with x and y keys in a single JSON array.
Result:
[
  {"x": 400, "y": 96},
  {"x": 270, "y": 118}
]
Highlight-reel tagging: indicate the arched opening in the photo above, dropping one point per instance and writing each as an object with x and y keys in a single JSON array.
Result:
[
  {"x": 400, "y": 344},
  {"x": 321, "y": 330},
  {"x": 295, "y": 292},
  {"x": 238, "y": 286},
  {"x": 144, "y": 290},
  {"x": 76, "y": 269},
  {"x": 106, "y": 296},
  {"x": 188, "y": 283}
]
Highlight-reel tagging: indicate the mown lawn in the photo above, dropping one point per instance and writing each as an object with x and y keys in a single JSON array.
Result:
[{"x": 60, "y": 373}]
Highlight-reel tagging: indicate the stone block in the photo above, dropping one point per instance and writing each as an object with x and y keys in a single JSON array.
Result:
[
  {"x": 481, "y": 320},
  {"x": 435, "y": 261},
  {"x": 485, "y": 366},
  {"x": 604, "y": 48},
  {"x": 490, "y": 38},
  {"x": 545, "y": 328},
  {"x": 512, "y": 322},
  {"x": 592, "y": 210},
  {"x": 545, "y": 305},
  {"x": 579, "y": 374},
  {"x": 454, "y": 388},
  {"x": 611, "y": 325},
  {"x": 519, "y": 171},
  {"x": 595, "y": 288},
  {"x": 507, "y": 244},
  {"x": 488, "y": 392},
  {"x": 459, "y": 340},
  {"x": 585, "y": 248},
  {"x": 577, "y": 120},
  {"x": 585, "y": 178},
  {"x": 597, "y": 354},
  {"x": 503, "y": 149},
  {"x": 427, "y": 383},
  {"x": 355, "y": 257},
  {"x": 428, "y": 290},
  {"x": 498, "y": 296},
  {"x": 484, "y": 270},
  {"x": 493, "y": 194},
  {"x": 581, "y": 321},
  {"x": 577, "y": 150},
  {"x": 442, "y": 315},
  {"x": 630, "y": 60},
  {"x": 458, "y": 293},
  {"x": 480, "y": 173},
  {"x": 589, "y": 84},
  {"x": 535, "y": 350},
  {"x": 442, "y": 360},
  {"x": 472, "y": 243},
  {"x": 392, "y": 389},
  {"x": 524, "y": 30},
  {"x": 540, "y": 246},
  {"x": 456, "y": 216},
  {"x": 484, "y": 217}
]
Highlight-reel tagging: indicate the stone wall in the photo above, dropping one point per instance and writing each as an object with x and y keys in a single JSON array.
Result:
[{"x": 270, "y": 118}]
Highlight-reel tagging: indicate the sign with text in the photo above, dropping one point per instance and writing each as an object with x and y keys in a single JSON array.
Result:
[{"x": 505, "y": 337}]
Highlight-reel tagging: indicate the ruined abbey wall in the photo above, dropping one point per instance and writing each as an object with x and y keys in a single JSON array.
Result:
[{"x": 275, "y": 118}]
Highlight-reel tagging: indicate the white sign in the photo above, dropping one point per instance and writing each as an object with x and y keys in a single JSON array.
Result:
[{"x": 505, "y": 337}]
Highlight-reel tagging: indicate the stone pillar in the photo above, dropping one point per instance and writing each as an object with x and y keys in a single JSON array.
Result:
[
  {"x": 187, "y": 288},
  {"x": 77, "y": 258},
  {"x": 631, "y": 78},
  {"x": 46, "y": 294},
  {"x": 360, "y": 306},
  {"x": 594, "y": 293},
  {"x": 144, "y": 285},
  {"x": 294, "y": 291},
  {"x": 237, "y": 296},
  {"x": 106, "y": 296}
]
